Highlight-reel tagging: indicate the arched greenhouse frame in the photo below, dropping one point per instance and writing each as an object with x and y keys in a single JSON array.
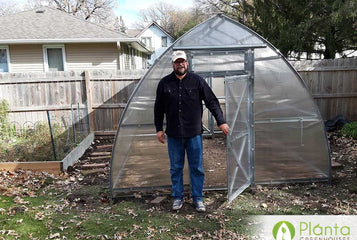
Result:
[{"x": 276, "y": 133}]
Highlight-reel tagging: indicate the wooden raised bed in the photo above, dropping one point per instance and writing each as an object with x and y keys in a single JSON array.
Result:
[{"x": 51, "y": 166}]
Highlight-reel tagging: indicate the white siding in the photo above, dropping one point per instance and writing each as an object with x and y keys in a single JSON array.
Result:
[
  {"x": 26, "y": 58},
  {"x": 79, "y": 57},
  {"x": 155, "y": 33},
  {"x": 131, "y": 59},
  {"x": 90, "y": 56}
]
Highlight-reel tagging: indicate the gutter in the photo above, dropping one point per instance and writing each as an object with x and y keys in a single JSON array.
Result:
[{"x": 135, "y": 42}]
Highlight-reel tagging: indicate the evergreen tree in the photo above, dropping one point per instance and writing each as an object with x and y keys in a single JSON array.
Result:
[
  {"x": 320, "y": 27},
  {"x": 119, "y": 25},
  {"x": 298, "y": 28}
]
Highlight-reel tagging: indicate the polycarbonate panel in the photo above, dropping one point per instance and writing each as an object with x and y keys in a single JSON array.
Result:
[
  {"x": 286, "y": 98},
  {"x": 139, "y": 160},
  {"x": 284, "y": 151},
  {"x": 289, "y": 131},
  {"x": 218, "y": 31},
  {"x": 238, "y": 140},
  {"x": 217, "y": 61}
]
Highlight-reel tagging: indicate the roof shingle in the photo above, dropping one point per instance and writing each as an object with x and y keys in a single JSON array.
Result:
[{"x": 50, "y": 24}]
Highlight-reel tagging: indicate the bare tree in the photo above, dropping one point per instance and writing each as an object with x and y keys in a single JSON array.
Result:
[
  {"x": 160, "y": 13},
  {"x": 99, "y": 11},
  {"x": 231, "y": 8},
  {"x": 174, "y": 21},
  {"x": 7, "y": 8},
  {"x": 178, "y": 21}
]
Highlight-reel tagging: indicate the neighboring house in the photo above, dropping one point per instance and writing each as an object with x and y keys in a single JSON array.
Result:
[
  {"x": 155, "y": 38},
  {"x": 47, "y": 39}
]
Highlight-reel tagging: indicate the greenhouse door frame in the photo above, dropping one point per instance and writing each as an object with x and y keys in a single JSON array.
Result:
[
  {"x": 241, "y": 145},
  {"x": 242, "y": 165}
]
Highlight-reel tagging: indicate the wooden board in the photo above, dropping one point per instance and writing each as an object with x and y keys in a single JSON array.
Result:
[{"x": 53, "y": 167}]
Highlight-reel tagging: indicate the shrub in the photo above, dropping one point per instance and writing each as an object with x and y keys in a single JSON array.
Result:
[
  {"x": 34, "y": 143},
  {"x": 4, "y": 125},
  {"x": 350, "y": 129}
]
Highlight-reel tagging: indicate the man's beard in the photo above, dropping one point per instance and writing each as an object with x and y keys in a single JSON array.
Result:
[{"x": 180, "y": 71}]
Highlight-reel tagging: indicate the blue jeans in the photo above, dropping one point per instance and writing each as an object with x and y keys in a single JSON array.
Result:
[{"x": 177, "y": 147}]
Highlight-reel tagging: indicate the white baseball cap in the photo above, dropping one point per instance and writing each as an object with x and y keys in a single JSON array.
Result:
[{"x": 178, "y": 54}]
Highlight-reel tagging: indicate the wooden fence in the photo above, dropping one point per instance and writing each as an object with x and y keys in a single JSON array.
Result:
[
  {"x": 333, "y": 85},
  {"x": 101, "y": 96}
]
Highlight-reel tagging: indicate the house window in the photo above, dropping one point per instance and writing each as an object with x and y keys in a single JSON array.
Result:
[
  {"x": 163, "y": 41},
  {"x": 146, "y": 41},
  {"x": 55, "y": 59},
  {"x": 4, "y": 59}
]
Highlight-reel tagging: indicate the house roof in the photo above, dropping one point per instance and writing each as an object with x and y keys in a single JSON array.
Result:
[
  {"x": 153, "y": 24},
  {"x": 133, "y": 32},
  {"x": 47, "y": 25}
]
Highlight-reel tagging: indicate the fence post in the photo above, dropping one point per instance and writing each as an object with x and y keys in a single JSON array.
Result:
[
  {"x": 90, "y": 111},
  {"x": 52, "y": 141}
]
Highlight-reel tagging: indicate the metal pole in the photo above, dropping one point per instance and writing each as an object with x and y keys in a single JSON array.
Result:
[
  {"x": 210, "y": 116},
  {"x": 79, "y": 119},
  {"x": 249, "y": 67},
  {"x": 52, "y": 141},
  {"x": 73, "y": 127}
]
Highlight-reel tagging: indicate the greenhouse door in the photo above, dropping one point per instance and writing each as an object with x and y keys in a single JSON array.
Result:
[
  {"x": 234, "y": 65},
  {"x": 240, "y": 140}
]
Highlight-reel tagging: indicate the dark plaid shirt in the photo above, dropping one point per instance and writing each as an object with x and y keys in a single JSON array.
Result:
[{"x": 181, "y": 102}]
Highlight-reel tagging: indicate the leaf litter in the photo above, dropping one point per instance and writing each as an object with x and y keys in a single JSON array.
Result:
[{"x": 70, "y": 188}]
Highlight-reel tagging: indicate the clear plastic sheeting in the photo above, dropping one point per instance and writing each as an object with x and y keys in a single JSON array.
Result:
[{"x": 277, "y": 134}]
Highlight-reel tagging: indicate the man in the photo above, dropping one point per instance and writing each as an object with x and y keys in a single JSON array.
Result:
[{"x": 179, "y": 96}]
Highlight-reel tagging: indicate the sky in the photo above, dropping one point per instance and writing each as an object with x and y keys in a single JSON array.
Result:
[{"x": 130, "y": 9}]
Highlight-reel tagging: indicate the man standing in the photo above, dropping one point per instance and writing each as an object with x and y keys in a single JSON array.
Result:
[{"x": 179, "y": 96}]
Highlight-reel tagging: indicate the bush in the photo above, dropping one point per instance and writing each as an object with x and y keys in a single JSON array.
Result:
[
  {"x": 4, "y": 125},
  {"x": 34, "y": 143},
  {"x": 350, "y": 129}
]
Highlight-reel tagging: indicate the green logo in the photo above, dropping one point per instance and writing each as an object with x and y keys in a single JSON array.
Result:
[{"x": 283, "y": 230}]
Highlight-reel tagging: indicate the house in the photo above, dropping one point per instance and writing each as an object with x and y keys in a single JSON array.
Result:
[
  {"x": 46, "y": 39},
  {"x": 155, "y": 38}
]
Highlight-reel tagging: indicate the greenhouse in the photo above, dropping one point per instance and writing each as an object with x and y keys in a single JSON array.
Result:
[{"x": 276, "y": 132}]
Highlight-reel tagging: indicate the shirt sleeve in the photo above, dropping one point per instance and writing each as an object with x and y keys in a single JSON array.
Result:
[
  {"x": 159, "y": 109},
  {"x": 211, "y": 102}
]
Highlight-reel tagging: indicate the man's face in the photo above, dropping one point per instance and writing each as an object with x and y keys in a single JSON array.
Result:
[{"x": 180, "y": 67}]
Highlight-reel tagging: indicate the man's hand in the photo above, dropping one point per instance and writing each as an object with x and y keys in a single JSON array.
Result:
[
  {"x": 224, "y": 128},
  {"x": 161, "y": 136}
]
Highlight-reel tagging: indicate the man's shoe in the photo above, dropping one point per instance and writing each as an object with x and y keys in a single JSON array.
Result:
[
  {"x": 177, "y": 205},
  {"x": 200, "y": 206}
]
